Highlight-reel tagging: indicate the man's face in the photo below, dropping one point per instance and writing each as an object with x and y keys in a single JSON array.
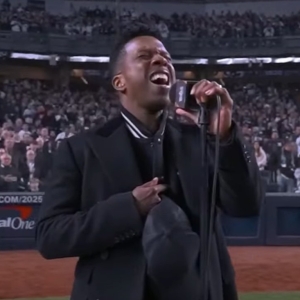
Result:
[
  {"x": 44, "y": 132},
  {"x": 33, "y": 147},
  {"x": 27, "y": 139},
  {"x": 274, "y": 135},
  {"x": 145, "y": 74},
  {"x": 6, "y": 159},
  {"x": 30, "y": 155},
  {"x": 9, "y": 143}
]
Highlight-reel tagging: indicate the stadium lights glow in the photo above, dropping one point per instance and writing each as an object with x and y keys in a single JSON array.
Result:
[
  {"x": 284, "y": 60},
  {"x": 244, "y": 60},
  {"x": 196, "y": 61},
  {"x": 98, "y": 59},
  {"x": 105, "y": 59},
  {"x": 30, "y": 56}
]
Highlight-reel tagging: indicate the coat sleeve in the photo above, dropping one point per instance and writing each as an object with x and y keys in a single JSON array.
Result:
[
  {"x": 64, "y": 230},
  {"x": 240, "y": 190}
]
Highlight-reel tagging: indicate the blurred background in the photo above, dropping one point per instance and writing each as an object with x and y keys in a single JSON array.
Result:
[{"x": 54, "y": 84}]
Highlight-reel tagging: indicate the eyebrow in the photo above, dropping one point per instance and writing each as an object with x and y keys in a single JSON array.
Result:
[{"x": 160, "y": 51}]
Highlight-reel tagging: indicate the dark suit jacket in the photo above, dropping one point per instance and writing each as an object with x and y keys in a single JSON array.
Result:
[{"x": 89, "y": 212}]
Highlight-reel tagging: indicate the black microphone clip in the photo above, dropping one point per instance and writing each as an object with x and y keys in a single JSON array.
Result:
[{"x": 203, "y": 118}]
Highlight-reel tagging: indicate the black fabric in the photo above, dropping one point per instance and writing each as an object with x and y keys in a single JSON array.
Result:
[
  {"x": 155, "y": 158},
  {"x": 144, "y": 153},
  {"x": 172, "y": 175},
  {"x": 148, "y": 146},
  {"x": 89, "y": 212},
  {"x": 171, "y": 250}
]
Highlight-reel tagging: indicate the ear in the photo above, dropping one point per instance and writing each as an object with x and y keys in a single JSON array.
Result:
[{"x": 118, "y": 83}]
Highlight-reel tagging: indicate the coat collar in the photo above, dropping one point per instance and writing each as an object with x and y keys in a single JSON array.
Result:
[{"x": 112, "y": 146}]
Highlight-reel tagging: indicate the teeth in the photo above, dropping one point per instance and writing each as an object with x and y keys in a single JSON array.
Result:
[{"x": 160, "y": 76}]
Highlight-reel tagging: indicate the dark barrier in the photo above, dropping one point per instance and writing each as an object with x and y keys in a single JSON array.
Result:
[
  {"x": 18, "y": 212},
  {"x": 245, "y": 231},
  {"x": 283, "y": 220},
  {"x": 278, "y": 223}
]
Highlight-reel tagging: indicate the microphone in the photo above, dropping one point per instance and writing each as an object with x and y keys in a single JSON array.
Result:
[{"x": 180, "y": 96}]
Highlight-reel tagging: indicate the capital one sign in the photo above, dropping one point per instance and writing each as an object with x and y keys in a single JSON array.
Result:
[{"x": 23, "y": 222}]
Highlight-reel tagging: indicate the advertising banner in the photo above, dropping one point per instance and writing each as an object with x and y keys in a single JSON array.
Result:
[{"x": 18, "y": 213}]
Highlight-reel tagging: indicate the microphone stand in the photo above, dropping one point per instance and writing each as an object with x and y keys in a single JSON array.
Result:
[{"x": 203, "y": 123}]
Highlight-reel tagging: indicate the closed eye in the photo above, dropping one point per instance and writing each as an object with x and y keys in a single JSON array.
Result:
[{"x": 144, "y": 56}]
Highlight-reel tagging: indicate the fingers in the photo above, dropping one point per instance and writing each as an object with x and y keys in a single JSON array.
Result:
[
  {"x": 153, "y": 182},
  {"x": 198, "y": 87},
  {"x": 157, "y": 190},
  {"x": 150, "y": 191},
  {"x": 192, "y": 117},
  {"x": 160, "y": 188},
  {"x": 204, "y": 89}
]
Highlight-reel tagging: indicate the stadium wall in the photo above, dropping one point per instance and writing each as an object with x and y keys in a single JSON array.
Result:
[{"x": 278, "y": 223}]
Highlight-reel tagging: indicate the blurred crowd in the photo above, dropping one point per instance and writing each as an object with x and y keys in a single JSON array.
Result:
[
  {"x": 269, "y": 118},
  {"x": 36, "y": 116},
  {"x": 105, "y": 21}
]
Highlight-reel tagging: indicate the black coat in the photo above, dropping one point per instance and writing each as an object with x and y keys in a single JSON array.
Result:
[{"x": 89, "y": 212}]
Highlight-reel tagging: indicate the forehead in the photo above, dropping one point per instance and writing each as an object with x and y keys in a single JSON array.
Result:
[{"x": 144, "y": 43}]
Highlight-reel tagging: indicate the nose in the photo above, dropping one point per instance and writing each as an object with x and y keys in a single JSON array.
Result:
[{"x": 159, "y": 60}]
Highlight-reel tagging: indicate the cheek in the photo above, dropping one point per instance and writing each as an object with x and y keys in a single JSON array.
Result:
[
  {"x": 136, "y": 74},
  {"x": 173, "y": 72}
]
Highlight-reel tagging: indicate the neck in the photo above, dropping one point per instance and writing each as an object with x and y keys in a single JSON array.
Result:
[{"x": 149, "y": 119}]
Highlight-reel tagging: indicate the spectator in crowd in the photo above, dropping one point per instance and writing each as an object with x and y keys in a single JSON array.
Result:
[
  {"x": 297, "y": 176},
  {"x": 15, "y": 151},
  {"x": 10, "y": 180},
  {"x": 66, "y": 133},
  {"x": 288, "y": 164},
  {"x": 34, "y": 185},
  {"x": 88, "y": 22},
  {"x": 260, "y": 155},
  {"x": 38, "y": 116},
  {"x": 274, "y": 147},
  {"x": 30, "y": 168},
  {"x": 297, "y": 134}
]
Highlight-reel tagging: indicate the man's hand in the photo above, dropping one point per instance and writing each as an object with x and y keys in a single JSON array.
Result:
[
  {"x": 203, "y": 91},
  {"x": 147, "y": 195}
]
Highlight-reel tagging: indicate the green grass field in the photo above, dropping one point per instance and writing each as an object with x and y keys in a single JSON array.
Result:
[{"x": 247, "y": 296}]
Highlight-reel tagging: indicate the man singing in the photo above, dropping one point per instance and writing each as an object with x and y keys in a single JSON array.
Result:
[{"x": 104, "y": 185}]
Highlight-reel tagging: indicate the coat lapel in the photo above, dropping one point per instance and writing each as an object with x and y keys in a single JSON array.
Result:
[
  {"x": 187, "y": 159},
  {"x": 114, "y": 152}
]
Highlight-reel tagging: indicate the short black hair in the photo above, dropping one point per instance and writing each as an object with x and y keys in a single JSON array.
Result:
[{"x": 125, "y": 36}]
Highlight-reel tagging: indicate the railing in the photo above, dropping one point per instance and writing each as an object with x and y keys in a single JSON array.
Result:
[{"x": 179, "y": 46}]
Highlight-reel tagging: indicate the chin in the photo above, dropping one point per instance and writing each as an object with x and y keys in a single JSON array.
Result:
[{"x": 158, "y": 104}]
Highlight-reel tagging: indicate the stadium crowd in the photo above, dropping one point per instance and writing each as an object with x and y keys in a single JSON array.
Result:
[
  {"x": 103, "y": 21},
  {"x": 36, "y": 116}
]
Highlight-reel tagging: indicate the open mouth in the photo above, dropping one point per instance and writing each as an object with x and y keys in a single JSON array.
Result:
[{"x": 160, "y": 78}]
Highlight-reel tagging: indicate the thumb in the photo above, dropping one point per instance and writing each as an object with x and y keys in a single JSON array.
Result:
[
  {"x": 192, "y": 117},
  {"x": 153, "y": 182}
]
